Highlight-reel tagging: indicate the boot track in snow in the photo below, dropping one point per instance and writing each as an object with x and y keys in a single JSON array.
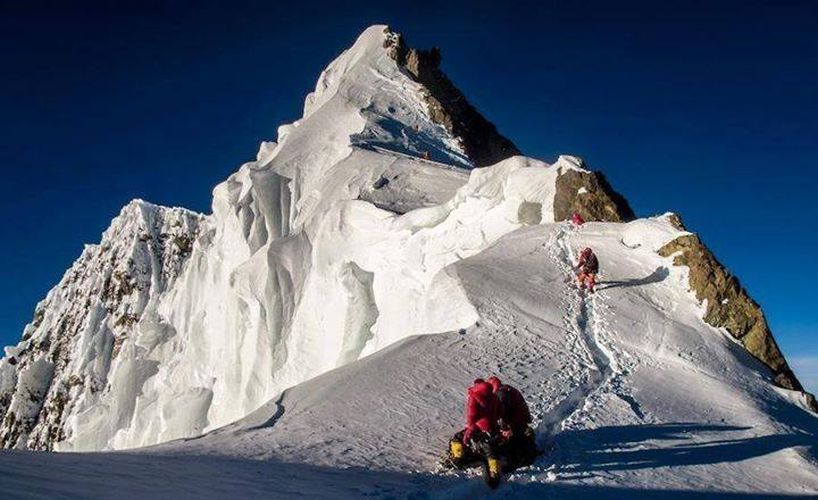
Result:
[{"x": 582, "y": 325}]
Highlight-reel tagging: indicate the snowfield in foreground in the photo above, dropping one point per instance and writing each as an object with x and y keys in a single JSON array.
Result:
[{"x": 315, "y": 335}]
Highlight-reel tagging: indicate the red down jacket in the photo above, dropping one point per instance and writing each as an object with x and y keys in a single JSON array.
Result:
[{"x": 482, "y": 409}]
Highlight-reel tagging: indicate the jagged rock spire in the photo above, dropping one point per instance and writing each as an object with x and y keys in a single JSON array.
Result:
[{"x": 483, "y": 144}]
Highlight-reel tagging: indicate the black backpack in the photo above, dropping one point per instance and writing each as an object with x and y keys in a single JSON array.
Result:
[{"x": 591, "y": 264}]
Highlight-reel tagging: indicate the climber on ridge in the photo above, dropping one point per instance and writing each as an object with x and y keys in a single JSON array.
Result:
[
  {"x": 481, "y": 436},
  {"x": 497, "y": 434},
  {"x": 588, "y": 267},
  {"x": 482, "y": 413},
  {"x": 519, "y": 445},
  {"x": 577, "y": 220}
]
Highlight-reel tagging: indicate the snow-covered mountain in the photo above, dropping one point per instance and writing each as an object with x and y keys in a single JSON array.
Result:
[
  {"x": 83, "y": 332},
  {"x": 352, "y": 281}
]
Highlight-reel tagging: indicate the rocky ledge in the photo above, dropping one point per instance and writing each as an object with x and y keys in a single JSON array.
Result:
[
  {"x": 447, "y": 106},
  {"x": 588, "y": 193},
  {"x": 729, "y": 306}
]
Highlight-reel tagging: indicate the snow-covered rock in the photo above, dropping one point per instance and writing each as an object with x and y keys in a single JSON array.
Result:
[{"x": 86, "y": 325}]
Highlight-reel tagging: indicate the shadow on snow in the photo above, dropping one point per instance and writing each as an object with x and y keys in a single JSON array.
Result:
[
  {"x": 625, "y": 447},
  {"x": 126, "y": 475},
  {"x": 659, "y": 274}
]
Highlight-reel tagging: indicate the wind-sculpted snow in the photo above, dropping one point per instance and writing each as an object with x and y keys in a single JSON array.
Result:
[{"x": 319, "y": 252}]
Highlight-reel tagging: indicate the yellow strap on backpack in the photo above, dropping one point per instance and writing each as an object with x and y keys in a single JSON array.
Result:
[
  {"x": 494, "y": 466},
  {"x": 456, "y": 448}
]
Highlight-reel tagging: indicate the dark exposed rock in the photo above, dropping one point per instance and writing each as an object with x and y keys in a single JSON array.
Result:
[
  {"x": 730, "y": 307},
  {"x": 590, "y": 195},
  {"x": 44, "y": 345},
  {"x": 54, "y": 430},
  {"x": 480, "y": 140},
  {"x": 118, "y": 341},
  {"x": 381, "y": 182},
  {"x": 676, "y": 221},
  {"x": 39, "y": 314},
  {"x": 126, "y": 320},
  {"x": 184, "y": 243}
]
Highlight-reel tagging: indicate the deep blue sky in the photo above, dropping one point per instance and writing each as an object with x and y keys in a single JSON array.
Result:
[{"x": 709, "y": 109}]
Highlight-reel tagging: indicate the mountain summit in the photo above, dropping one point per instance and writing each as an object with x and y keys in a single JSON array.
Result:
[{"x": 390, "y": 246}]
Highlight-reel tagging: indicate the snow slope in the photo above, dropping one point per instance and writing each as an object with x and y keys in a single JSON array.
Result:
[
  {"x": 636, "y": 388},
  {"x": 631, "y": 391},
  {"x": 326, "y": 319}
]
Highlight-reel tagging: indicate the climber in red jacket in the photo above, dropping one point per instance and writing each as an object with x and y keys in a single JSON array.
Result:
[
  {"x": 482, "y": 411},
  {"x": 480, "y": 437},
  {"x": 588, "y": 267},
  {"x": 478, "y": 441},
  {"x": 519, "y": 444},
  {"x": 481, "y": 440}
]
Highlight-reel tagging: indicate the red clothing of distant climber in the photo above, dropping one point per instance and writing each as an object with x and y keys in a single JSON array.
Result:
[
  {"x": 482, "y": 409},
  {"x": 514, "y": 412},
  {"x": 577, "y": 219},
  {"x": 588, "y": 262},
  {"x": 588, "y": 269}
]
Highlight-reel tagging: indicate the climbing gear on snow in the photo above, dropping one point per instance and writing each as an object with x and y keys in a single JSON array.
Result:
[{"x": 456, "y": 449}]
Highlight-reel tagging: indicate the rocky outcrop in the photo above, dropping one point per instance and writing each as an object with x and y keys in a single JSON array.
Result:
[
  {"x": 729, "y": 306},
  {"x": 480, "y": 140},
  {"x": 67, "y": 350},
  {"x": 587, "y": 193}
]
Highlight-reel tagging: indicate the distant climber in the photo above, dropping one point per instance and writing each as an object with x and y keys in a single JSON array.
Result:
[
  {"x": 479, "y": 441},
  {"x": 588, "y": 267},
  {"x": 577, "y": 220},
  {"x": 518, "y": 444}
]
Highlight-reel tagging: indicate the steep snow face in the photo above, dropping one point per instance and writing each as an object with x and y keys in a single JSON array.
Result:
[
  {"x": 317, "y": 253},
  {"x": 83, "y": 329},
  {"x": 246, "y": 324}
]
